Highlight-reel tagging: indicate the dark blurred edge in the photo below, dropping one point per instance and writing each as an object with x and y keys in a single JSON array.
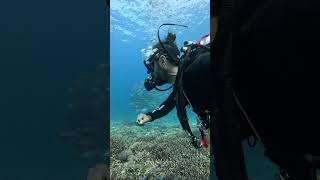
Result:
[
  {"x": 108, "y": 84},
  {"x": 227, "y": 158}
]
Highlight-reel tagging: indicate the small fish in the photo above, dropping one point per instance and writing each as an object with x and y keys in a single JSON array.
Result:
[{"x": 141, "y": 100}]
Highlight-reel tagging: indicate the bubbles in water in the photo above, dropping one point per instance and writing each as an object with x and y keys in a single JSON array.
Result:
[{"x": 147, "y": 15}]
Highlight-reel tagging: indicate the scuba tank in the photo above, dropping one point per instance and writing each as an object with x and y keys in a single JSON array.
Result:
[{"x": 204, "y": 41}]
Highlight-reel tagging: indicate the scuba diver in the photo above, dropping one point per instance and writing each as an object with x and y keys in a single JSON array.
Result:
[{"x": 189, "y": 76}]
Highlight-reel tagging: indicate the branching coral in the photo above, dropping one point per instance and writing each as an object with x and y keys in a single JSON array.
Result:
[{"x": 156, "y": 156}]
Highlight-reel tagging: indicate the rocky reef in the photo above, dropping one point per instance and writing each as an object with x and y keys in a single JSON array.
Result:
[{"x": 155, "y": 151}]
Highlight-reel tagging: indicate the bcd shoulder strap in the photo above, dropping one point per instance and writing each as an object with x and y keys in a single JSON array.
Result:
[{"x": 179, "y": 98}]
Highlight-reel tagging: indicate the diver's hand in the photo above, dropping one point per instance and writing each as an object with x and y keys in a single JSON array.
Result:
[
  {"x": 196, "y": 142},
  {"x": 143, "y": 118}
]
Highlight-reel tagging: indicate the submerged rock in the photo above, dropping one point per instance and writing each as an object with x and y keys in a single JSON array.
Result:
[{"x": 124, "y": 155}]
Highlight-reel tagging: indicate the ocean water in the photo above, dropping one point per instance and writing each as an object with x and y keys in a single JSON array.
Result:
[
  {"x": 133, "y": 27},
  {"x": 44, "y": 47}
]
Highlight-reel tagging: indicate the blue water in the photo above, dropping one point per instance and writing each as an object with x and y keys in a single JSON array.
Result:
[
  {"x": 44, "y": 46},
  {"x": 133, "y": 26}
]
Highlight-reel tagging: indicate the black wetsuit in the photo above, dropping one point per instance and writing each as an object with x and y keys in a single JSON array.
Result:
[{"x": 197, "y": 87}]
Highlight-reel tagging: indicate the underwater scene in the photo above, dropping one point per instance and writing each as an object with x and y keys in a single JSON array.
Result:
[
  {"x": 51, "y": 55},
  {"x": 159, "y": 149}
]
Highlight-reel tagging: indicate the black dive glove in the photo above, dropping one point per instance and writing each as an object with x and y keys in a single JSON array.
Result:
[{"x": 196, "y": 142}]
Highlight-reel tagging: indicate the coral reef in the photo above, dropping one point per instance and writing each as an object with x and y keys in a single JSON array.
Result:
[{"x": 155, "y": 151}]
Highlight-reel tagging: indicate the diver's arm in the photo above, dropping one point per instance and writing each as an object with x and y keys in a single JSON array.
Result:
[
  {"x": 163, "y": 109},
  {"x": 183, "y": 117}
]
